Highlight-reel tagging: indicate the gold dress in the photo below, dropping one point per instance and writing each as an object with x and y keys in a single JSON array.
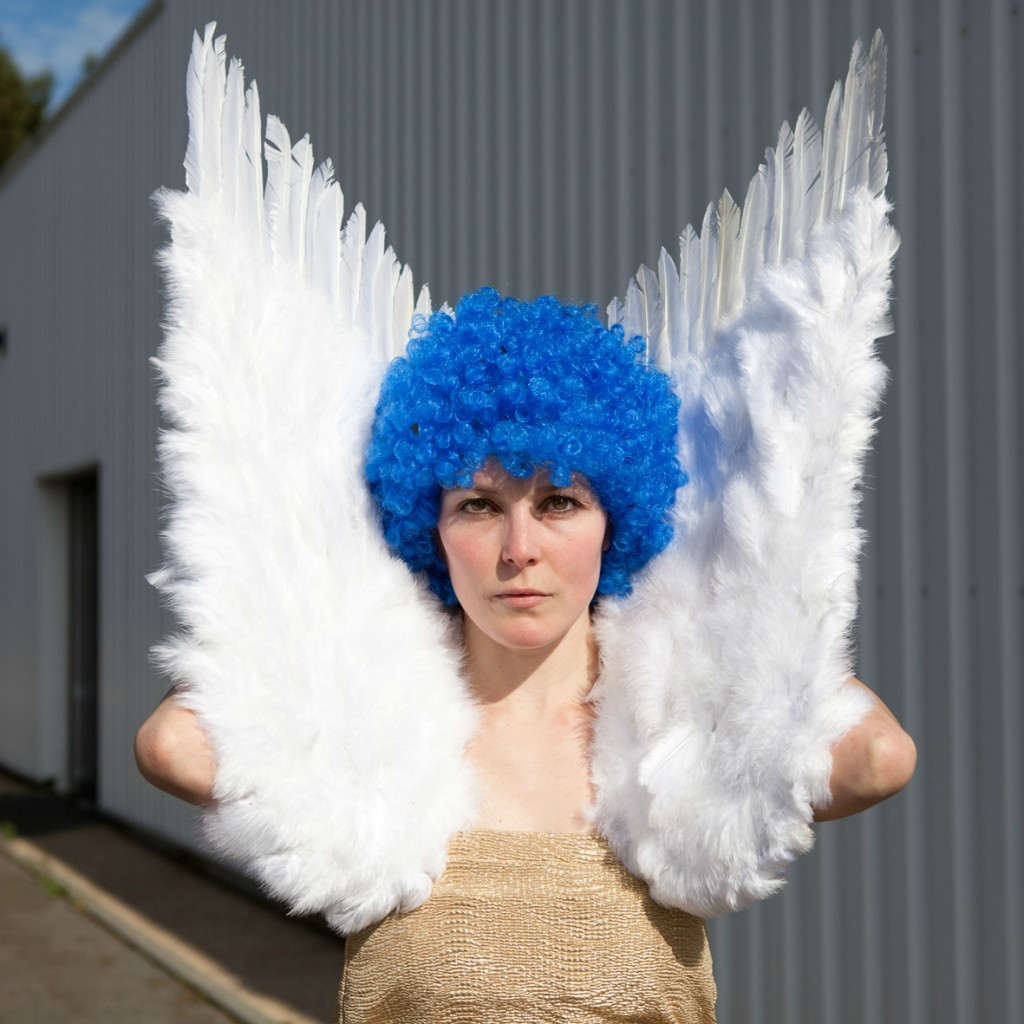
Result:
[{"x": 528, "y": 927}]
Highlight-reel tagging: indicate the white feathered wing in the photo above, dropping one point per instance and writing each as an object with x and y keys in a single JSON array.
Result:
[
  {"x": 723, "y": 681},
  {"x": 322, "y": 672},
  {"x": 325, "y": 674}
]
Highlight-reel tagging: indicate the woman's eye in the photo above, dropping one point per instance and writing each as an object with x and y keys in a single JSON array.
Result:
[
  {"x": 475, "y": 506},
  {"x": 560, "y": 503}
]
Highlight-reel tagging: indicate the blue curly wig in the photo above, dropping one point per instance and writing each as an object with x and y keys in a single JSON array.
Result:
[{"x": 534, "y": 385}]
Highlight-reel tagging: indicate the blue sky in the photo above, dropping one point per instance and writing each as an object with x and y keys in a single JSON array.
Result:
[{"x": 57, "y": 34}]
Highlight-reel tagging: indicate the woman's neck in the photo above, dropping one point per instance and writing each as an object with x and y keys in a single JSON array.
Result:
[{"x": 534, "y": 680}]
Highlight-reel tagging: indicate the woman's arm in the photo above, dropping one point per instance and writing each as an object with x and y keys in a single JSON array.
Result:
[
  {"x": 174, "y": 753},
  {"x": 873, "y": 761}
]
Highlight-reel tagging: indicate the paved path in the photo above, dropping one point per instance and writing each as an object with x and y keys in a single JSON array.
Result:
[
  {"x": 150, "y": 931},
  {"x": 58, "y": 964}
]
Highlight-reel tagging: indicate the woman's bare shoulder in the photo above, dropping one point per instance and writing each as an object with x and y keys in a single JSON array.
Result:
[
  {"x": 872, "y": 762},
  {"x": 174, "y": 753}
]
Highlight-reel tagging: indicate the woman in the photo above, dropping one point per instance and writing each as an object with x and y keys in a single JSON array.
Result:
[
  {"x": 523, "y": 460},
  {"x": 584, "y": 692}
]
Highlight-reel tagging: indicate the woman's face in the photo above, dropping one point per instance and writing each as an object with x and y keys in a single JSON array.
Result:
[{"x": 524, "y": 556}]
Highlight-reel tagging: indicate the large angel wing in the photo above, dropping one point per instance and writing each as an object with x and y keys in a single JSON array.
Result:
[
  {"x": 723, "y": 688},
  {"x": 337, "y": 790}
]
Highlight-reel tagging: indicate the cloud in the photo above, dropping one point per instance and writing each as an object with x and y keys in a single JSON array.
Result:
[{"x": 59, "y": 34}]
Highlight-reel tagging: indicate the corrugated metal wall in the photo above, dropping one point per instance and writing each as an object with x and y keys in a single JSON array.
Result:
[{"x": 553, "y": 146}]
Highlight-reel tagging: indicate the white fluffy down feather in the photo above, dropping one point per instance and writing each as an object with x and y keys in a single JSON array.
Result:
[
  {"x": 722, "y": 688},
  {"x": 328, "y": 678},
  {"x": 325, "y": 677}
]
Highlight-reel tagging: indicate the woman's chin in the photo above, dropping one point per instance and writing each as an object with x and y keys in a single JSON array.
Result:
[{"x": 531, "y": 632}]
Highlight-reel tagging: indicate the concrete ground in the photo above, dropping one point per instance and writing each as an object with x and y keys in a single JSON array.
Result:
[
  {"x": 57, "y": 964},
  {"x": 96, "y": 925}
]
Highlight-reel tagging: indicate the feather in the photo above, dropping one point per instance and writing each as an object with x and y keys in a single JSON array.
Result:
[
  {"x": 194, "y": 83},
  {"x": 727, "y": 281},
  {"x": 375, "y": 273},
  {"x": 316, "y": 189},
  {"x": 653, "y": 311},
  {"x": 214, "y": 73},
  {"x": 250, "y": 205},
  {"x": 616, "y": 313},
  {"x": 878, "y": 164},
  {"x": 423, "y": 307},
  {"x": 851, "y": 142},
  {"x": 323, "y": 233},
  {"x": 232, "y": 119},
  {"x": 404, "y": 310},
  {"x": 300, "y": 174},
  {"x": 353, "y": 242},
  {"x": 689, "y": 300},
  {"x": 632, "y": 312},
  {"x": 708, "y": 267},
  {"x": 782, "y": 192},
  {"x": 753, "y": 223},
  {"x": 830, "y": 169},
  {"x": 672, "y": 315},
  {"x": 277, "y": 203},
  {"x": 643, "y": 313},
  {"x": 806, "y": 179}
]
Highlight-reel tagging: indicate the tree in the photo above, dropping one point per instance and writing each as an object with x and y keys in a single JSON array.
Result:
[{"x": 22, "y": 102}]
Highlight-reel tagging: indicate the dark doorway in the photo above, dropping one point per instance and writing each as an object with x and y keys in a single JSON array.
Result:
[{"x": 83, "y": 621}]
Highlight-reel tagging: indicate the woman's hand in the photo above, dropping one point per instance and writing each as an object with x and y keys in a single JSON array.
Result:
[
  {"x": 873, "y": 761},
  {"x": 174, "y": 754}
]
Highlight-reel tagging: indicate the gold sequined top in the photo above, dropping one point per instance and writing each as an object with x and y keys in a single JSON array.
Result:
[{"x": 527, "y": 927}]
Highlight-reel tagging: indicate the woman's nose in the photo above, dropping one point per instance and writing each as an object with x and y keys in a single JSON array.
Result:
[{"x": 519, "y": 542}]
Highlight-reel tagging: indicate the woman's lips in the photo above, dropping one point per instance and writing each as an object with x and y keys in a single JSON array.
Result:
[{"x": 521, "y": 598}]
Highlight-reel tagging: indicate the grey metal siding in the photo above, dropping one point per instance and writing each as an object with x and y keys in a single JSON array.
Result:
[{"x": 552, "y": 147}]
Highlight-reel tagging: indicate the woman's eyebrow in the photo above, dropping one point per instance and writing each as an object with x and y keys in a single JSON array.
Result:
[
  {"x": 483, "y": 490},
  {"x": 574, "y": 485}
]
